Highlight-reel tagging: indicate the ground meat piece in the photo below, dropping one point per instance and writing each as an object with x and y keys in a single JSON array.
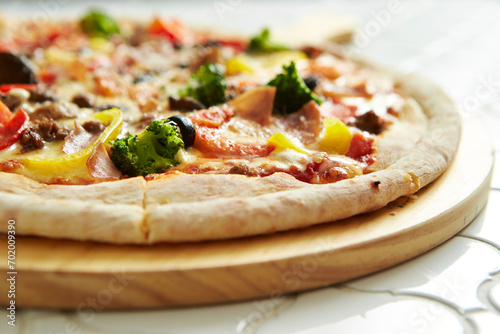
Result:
[
  {"x": 41, "y": 95},
  {"x": 83, "y": 100},
  {"x": 13, "y": 102},
  {"x": 30, "y": 140},
  {"x": 370, "y": 122},
  {"x": 184, "y": 104},
  {"x": 93, "y": 127},
  {"x": 54, "y": 110},
  {"x": 50, "y": 130}
]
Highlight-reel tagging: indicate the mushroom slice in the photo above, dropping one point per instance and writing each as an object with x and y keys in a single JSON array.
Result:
[{"x": 255, "y": 105}]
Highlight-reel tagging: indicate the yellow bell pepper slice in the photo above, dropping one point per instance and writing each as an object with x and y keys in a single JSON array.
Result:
[
  {"x": 282, "y": 142},
  {"x": 249, "y": 63},
  {"x": 336, "y": 138},
  {"x": 280, "y": 58},
  {"x": 239, "y": 64},
  {"x": 102, "y": 45},
  {"x": 113, "y": 120}
]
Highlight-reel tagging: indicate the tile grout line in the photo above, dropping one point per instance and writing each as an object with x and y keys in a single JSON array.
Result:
[{"x": 467, "y": 325}]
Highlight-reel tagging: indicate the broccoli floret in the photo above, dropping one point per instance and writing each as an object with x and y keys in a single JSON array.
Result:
[
  {"x": 263, "y": 43},
  {"x": 291, "y": 91},
  {"x": 98, "y": 24},
  {"x": 208, "y": 85},
  {"x": 152, "y": 151}
]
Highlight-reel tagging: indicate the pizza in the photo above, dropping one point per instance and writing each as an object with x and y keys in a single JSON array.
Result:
[{"x": 122, "y": 131}]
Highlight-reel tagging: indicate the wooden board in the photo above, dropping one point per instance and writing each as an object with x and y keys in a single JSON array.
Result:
[{"x": 69, "y": 274}]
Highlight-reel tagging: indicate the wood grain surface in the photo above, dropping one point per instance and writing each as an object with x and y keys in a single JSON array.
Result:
[{"x": 79, "y": 275}]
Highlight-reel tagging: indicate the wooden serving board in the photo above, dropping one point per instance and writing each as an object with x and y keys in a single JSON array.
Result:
[{"x": 70, "y": 274}]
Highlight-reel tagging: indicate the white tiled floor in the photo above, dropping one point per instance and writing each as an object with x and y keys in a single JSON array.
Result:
[{"x": 453, "y": 42}]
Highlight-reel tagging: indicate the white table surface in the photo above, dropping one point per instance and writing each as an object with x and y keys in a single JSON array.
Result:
[{"x": 454, "y": 288}]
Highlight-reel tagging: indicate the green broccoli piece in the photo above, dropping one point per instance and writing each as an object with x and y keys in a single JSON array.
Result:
[
  {"x": 152, "y": 151},
  {"x": 98, "y": 24},
  {"x": 208, "y": 85},
  {"x": 291, "y": 91},
  {"x": 263, "y": 43}
]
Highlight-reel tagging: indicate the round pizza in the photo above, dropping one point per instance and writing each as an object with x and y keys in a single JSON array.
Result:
[{"x": 141, "y": 132}]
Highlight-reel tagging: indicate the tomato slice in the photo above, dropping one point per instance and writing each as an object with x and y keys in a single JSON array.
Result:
[
  {"x": 211, "y": 141},
  {"x": 11, "y": 127},
  {"x": 7, "y": 87},
  {"x": 361, "y": 149}
]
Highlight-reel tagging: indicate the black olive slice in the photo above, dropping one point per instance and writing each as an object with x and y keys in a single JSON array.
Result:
[
  {"x": 186, "y": 127},
  {"x": 13, "y": 70},
  {"x": 311, "y": 82}
]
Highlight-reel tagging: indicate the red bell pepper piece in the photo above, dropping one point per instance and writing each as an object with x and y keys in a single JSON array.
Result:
[
  {"x": 237, "y": 45},
  {"x": 7, "y": 87},
  {"x": 11, "y": 126},
  {"x": 173, "y": 30}
]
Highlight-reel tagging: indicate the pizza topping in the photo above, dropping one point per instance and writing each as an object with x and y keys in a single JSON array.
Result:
[
  {"x": 212, "y": 143},
  {"x": 100, "y": 165},
  {"x": 184, "y": 104},
  {"x": 208, "y": 85},
  {"x": 311, "y": 82},
  {"x": 83, "y": 100},
  {"x": 93, "y": 127},
  {"x": 30, "y": 140},
  {"x": 281, "y": 142},
  {"x": 304, "y": 124},
  {"x": 14, "y": 99},
  {"x": 370, "y": 122},
  {"x": 213, "y": 117},
  {"x": 152, "y": 151},
  {"x": 14, "y": 70},
  {"x": 186, "y": 127},
  {"x": 212, "y": 140},
  {"x": 54, "y": 110},
  {"x": 11, "y": 125},
  {"x": 78, "y": 140},
  {"x": 6, "y": 88},
  {"x": 291, "y": 91},
  {"x": 263, "y": 43},
  {"x": 255, "y": 104},
  {"x": 50, "y": 130},
  {"x": 361, "y": 148},
  {"x": 172, "y": 30},
  {"x": 98, "y": 24},
  {"x": 336, "y": 109},
  {"x": 40, "y": 94},
  {"x": 336, "y": 138},
  {"x": 204, "y": 55}
]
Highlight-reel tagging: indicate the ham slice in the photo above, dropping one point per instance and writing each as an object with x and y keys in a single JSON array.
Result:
[
  {"x": 78, "y": 140},
  {"x": 100, "y": 165},
  {"x": 304, "y": 124}
]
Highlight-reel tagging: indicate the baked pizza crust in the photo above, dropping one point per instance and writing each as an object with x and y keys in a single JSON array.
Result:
[{"x": 182, "y": 207}]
